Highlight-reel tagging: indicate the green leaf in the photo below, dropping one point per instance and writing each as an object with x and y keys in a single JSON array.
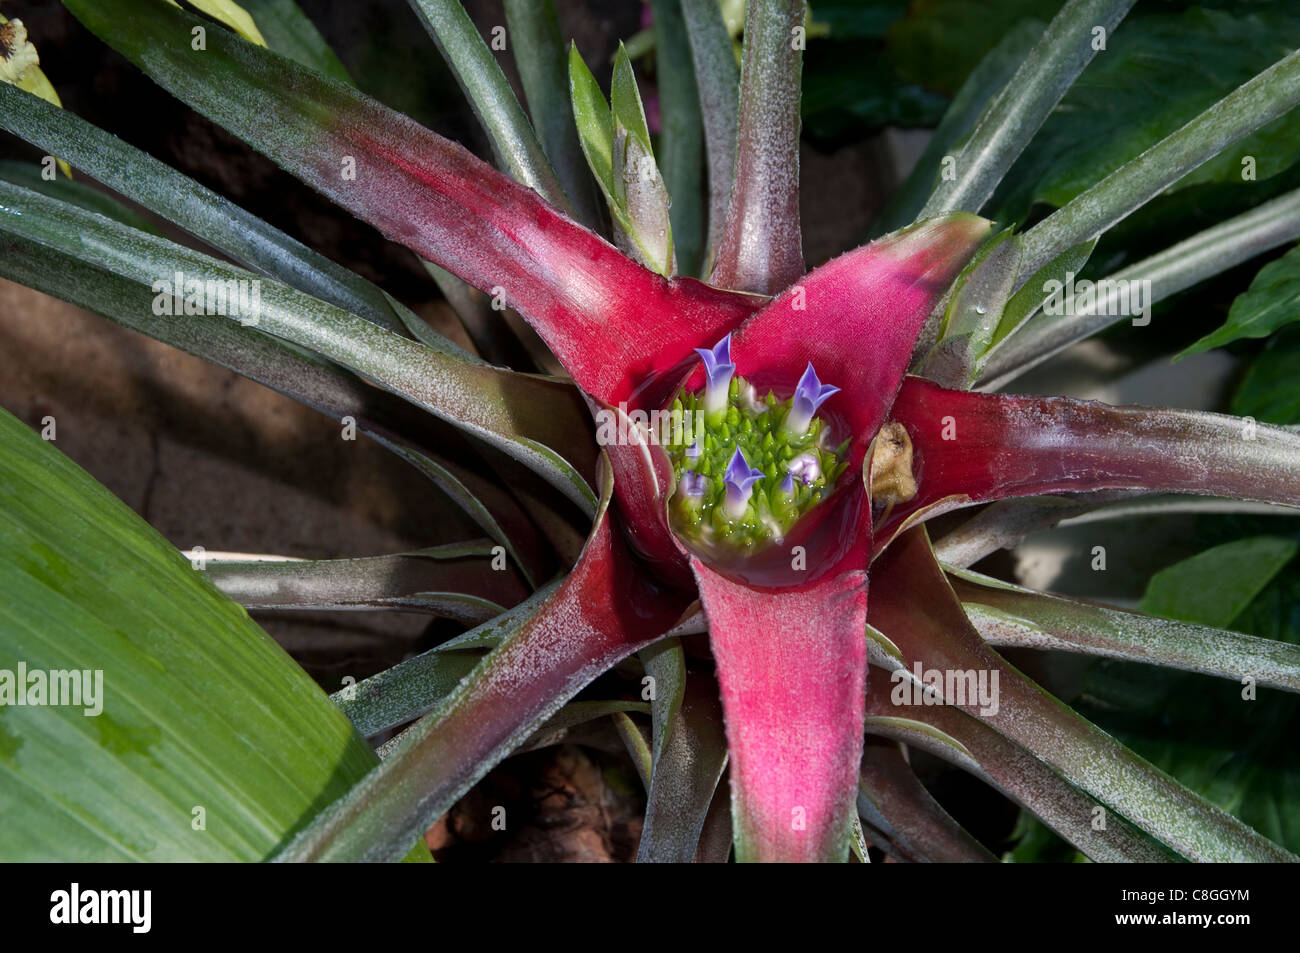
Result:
[
  {"x": 1258, "y": 101},
  {"x": 1268, "y": 392},
  {"x": 29, "y": 176},
  {"x": 455, "y": 581},
  {"x": 718, "y": 82},
  {"x": 1237, "y": 750},
  {"x": 1271, "y": 302},
  {"x": 414, "y": 687},
  {"x": 231, "y": 14},
  {"x": 979, "y": 297},
  {"x": 1214, "y": 586},
  {"x": 681, "y": 138},
  {"x": 948, "y": 733},
  {"x": 597, "y": 616},
  {"x": 198, "y": 210},
  {"x": 289, "y": 31},
  {"x": 1029, "y": 299},
  {"x": 915, "y": 606},
  {"x": 893, "y": 800},
  {"x": 939, "y": 42},
  {"x": 595, "y": 122},
  {"x": 1173, "y": 269},
  {"x": 486, "y": 402},
  {"x": 690, "y": 753},
  {"x": 516, "y": 147},
  {"x": 1157, "y": 73},
  {"x": 983, "y": 83},
  {"x": 1008, "y": 615},
  {"x": 616, "y": 142},
  {"x": 543, "y": 69},
  {"x": 639, "y": 186},
  {"x": 200, "y": 708},
  {"x": 625, "y": 99},
  {"x": 1014, "y": 115}
]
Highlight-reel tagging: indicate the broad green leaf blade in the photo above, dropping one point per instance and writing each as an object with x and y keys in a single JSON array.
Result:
[
  {"x": 289, "y": 31},
  {"x": 1271, "y": 301},
  {"x": 1015, "y": 115},
  {"x": 1007, "y": 615},
  {"x": 761, "y": 249},
  {"x": 1178, "y": 267},
  {"x": 544, "y": 71},
  {"x": 492, "y": 404},
  {"x": 517, "y": 150},
  {"x": 455, "y": 581},
  {"x": 200, "y": 715},
  {"x": 1214, "y": 586},
  {"x": 1268, "y": 390},
  {"x": 602, "y": 612},
  {"x": 1255, "y": 103},
  {"x": 718, "y": 79},
  {"x": 681, "y": 139},
  {"x": 198, "y": 210}
]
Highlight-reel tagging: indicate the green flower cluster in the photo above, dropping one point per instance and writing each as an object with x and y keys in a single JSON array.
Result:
[{"x": 743, "y": 503}]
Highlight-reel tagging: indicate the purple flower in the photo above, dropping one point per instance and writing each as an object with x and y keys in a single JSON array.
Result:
[
  {"x": 694, "y": 451},
  {"x": 805, "y": 468},
  {"x": 808, "y": 396},
  {"x": 718, "y": 368},
  {"x": 692, "y": 485},
  {"x": 739, "y": 479}
]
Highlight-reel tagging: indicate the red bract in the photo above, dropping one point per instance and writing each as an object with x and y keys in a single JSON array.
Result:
[{"x": 791, "y": 656}]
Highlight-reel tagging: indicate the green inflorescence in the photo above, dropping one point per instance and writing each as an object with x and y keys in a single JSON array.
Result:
[{"x": 754, "y": 426}]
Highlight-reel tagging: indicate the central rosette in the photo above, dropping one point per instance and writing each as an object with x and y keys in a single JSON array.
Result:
[{"x": 748, "y": 465}]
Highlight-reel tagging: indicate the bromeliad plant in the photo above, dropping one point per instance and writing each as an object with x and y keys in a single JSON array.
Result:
[{"x": 815, "y": 420}]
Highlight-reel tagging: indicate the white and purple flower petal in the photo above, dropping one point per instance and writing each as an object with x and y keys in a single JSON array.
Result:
[
  {"x": 719, "y": 369},
  {"x": 808, "y": 397},
  {"x": 739, "y": 480}
]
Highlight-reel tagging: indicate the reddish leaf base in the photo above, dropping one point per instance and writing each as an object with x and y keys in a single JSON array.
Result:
[{"x": 792, "y": 667}]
